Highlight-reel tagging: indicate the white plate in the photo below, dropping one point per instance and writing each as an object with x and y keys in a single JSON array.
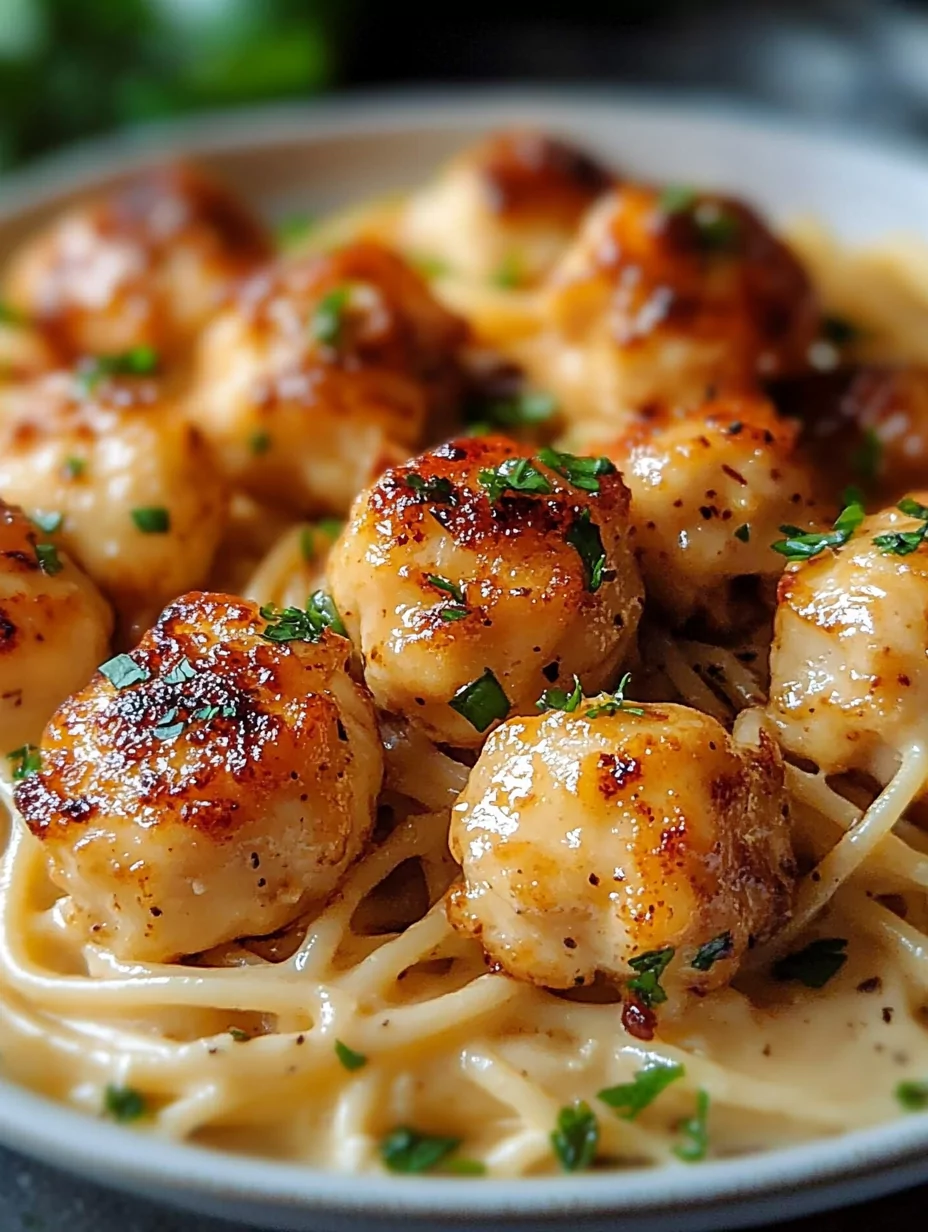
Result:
[{"x": 319, "y": 156}]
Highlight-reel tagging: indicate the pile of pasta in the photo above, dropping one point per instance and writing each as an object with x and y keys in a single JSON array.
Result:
[{"x": 463, "y": 671}]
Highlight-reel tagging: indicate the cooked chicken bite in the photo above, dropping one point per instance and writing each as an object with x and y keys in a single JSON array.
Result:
[
  {"x": 848, "y": 667},
  {"x": 324, "y": 371},
  {"x": 55, "y": 626},
  {"x": 710, "y": 491},
  {"x": 142, "y": 508},
  {"x": 505, "y": 209},
  {"x": 208, "y": 786},
  {"x": 474, "y": 577},
  {"x": 665, "y": 295},
  {"x": 145, "y": 263},
  {"x": 622, "y": 838}
]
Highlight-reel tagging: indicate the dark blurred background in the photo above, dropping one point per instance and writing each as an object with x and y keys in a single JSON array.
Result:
[{"x": 74, "y": 68}]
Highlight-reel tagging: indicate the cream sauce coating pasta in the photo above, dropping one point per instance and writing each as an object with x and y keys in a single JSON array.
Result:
[{"x": 499, "y": 650}]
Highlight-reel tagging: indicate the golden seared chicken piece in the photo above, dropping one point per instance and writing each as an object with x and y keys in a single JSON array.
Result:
[
  {"x": 848, "y": 667},
  {"x": 142, "y": 508},
  {"x": 208, "y": 786},
  {"x": 145, "y": 263},
  {"x": 710, "y": 491},
  {"x": 865, "y": 425},
  {"x": 55, "y": 626},
  {"x": 664, "y": 295},
  {"x": 324, "y": 371},
  {"x": 622, "y": 839},
  {"x": 504, "y": 210},
  {"x": 475, "y": 577}
]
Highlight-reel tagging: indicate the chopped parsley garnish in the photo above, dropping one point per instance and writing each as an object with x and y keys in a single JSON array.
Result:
[
  {"x": 913, "y": 1096},
  {"x": 10, "y": 315},
  {"x": 122, "y": 671},
  {"x": 181, "y": 672},
  {"x": 616, "y": 702},
  {"x": 124, "y": 1103},
  {"x": 211, "y": 712},
  {"x": 630, "y": 1098},
  {"x": 560, "y": 699},
  {"x": 292, "y": 229},
  {"x": 839, "y": 331},
  {"x": 717, "y": 229},
  {"x": 259, "y": 442},
  {"x": 646, "y": 985},
  {"x": 815, "y": 964},
  {"x": 575, "y": 1137},
  {"x": 429, "y": 266},
  {"x": 582, "y": 473},
  {"x": 438, "y": 489},
  {"x": 24, "y": 761},
  {"x": 349, "y": 1058},
  {"x": 328, "y": 321},
  {"x": 451, "y": 611},
  {"x": 152, "y": 519},
  {"x": 743, "y": 533},
  {"x": 709, "y": 954},
  {"x": 481, "y": 702},
  {"x": 905, "y": 542},
  {"x": 137, "y": 361},
  {"x": 465, "y": 1167},
  {"x": 584, "y": 537},
  {"x": 240, "y": 1036},
  {"x": 408, "y": 1150},
  {"x": 295, "y": 624},
  {"x": 522, "y": 410},
  {"x": 74, "y": 467},
  {"x": 695, "y": 1132},
  {"x": 677, "y": 199},
  {"x": 48, "y": 522},
  {"x": 513, "y": 475},
  {"x": 329, "y": 527},
  {"x": 169, "y": 725},
  {"x": 509, "y": 273},
  {"x": 49, "y": 560},
  {"x": 867, "y": 460},
  {"x": 803, "y": 545}
]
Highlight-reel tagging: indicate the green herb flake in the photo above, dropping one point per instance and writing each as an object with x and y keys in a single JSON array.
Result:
[
  {"x": 349, "y": 1058},
  {"x": 616, "y": 702},
  {"x": 523, "y": 410},
  {"x": 24, "y": 761},
  {"x": 328, "y": 321},
  {"x": 408, "y": 1150},
  {"x": 905, "y": 542},
  {"x": 438, "y": 489},
  {"x": 482, "y": 702},
  {"x": 122, "y": 671},
  {"x": 815, "y": 964},
  {"x": 695, "y": 1132},
  {"x": 867, "y": 459},
  {"x": 292, "y": 229},
  {"x": 560, "y": 699},
  {"x": 912, "y": 1096},
  {"x": 10, "y": 315},
  {"x": 646, "y": 984},
  {"x": 677, "y": 199},
  {"x": 74, "y": 467},
  {"x": 259, "y": 442},
  {"x": 152, "y": 519},
  {"x": 124, "y": 1103},
  {"x": 181, "y": 672},
  {"x": 584, "y": 537},
  {"x": 48, "y": 522},
  {"x": 295, "y": 624},
  {"x": 509, "y": 274},
  {"x": 712, "y": 951},
  {"x": 430, "y": 267},
  {"x": 743, "y": 533},
  {"x": 465, "y": 1167},
  {"x": 513, "y": 475},
  {"x": 719, "y": 231},
  {"x": 240, "y": 1036},
  {"x": 169, "y": 725},
  {"x": 137, "y": 361},
  {"x": 49, "y": 560},
  {"x": 582, "y": 473},
  {"x": 451, "y": 611},
  {"x": 803, "y": 545},
  {"x": 575, "y": 1137},
  {"x": 630, "y": 1098}
]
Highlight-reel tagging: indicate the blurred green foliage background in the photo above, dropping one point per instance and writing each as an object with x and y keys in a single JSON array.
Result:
[{"x": 69, "y": 68}]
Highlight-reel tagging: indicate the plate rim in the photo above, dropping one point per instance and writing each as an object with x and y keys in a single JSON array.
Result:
[{"x": 864, "y": 1162}]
